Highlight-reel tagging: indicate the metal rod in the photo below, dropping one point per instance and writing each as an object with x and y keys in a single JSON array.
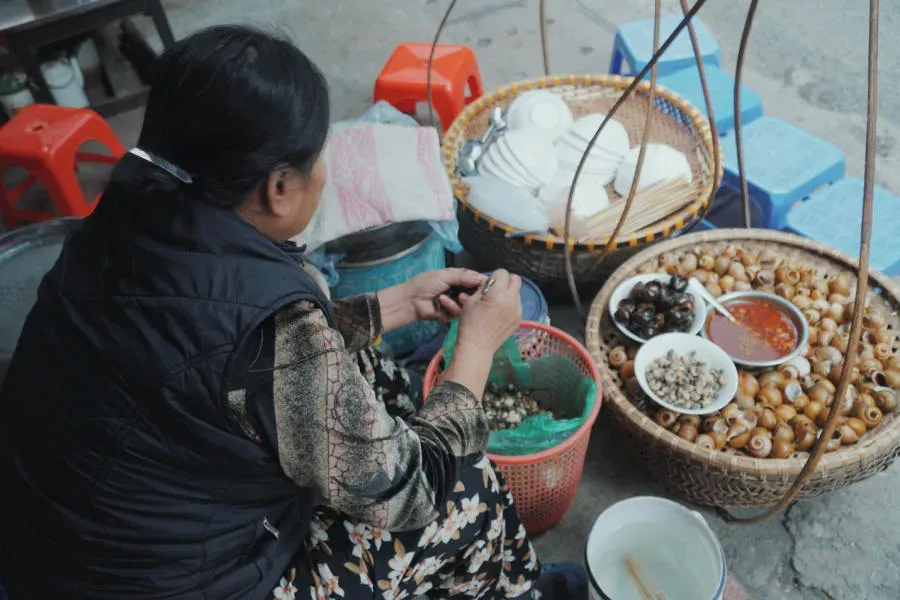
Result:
[
  {"x": 437, "y": 37},
  {"x": 738, "y": 122},
  {"x": 545, "y": 53},
  {"x": 862, "y": 286}
]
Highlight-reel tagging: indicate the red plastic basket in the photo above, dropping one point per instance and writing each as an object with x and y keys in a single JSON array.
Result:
[{"x": 543, "y": 484}]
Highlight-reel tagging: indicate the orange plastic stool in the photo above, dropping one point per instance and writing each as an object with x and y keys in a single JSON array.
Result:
[
  {"x": 403, "y": 81},
  {"x": 44, "y": 140}
]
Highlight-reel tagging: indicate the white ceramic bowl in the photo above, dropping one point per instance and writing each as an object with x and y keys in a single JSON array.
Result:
[
  {"x": 673, "y": 546},
  {"x": 507, "y": 155},
  {"x": 682, "y": 344},
  {"x": 535, "y": 152},
  {"x": 541, "y": 110},
  {"x": 494, "y": 162},
  {"x": 662, "y": 163},
  {"x": 613, "y": 138},
  {"x": 624, "y": 291}
]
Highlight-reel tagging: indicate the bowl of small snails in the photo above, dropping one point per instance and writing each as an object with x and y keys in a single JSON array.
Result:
[{"x": 749, "y": 452}]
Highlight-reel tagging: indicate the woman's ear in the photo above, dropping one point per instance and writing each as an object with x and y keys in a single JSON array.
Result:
[{"x": 281, "y": 191}]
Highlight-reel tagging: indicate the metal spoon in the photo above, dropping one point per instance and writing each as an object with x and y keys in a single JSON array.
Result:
[
  {"x": 701, "y": 289},
  {"x": 474, "y": 149}
]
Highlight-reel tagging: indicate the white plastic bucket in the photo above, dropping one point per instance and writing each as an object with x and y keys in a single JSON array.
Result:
[
  {"x": 66, "y": 82},
  {"x": 674, "y": 547}
]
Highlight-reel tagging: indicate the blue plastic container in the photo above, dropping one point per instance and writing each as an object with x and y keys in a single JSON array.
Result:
[
  {"x": 833, "y": 216},
  {"x": 384, "y": 258}
]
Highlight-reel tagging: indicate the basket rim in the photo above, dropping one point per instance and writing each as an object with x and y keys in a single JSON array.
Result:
[
  {"x": 662, "y": 228},
  {"x": 583, "y": 431},
  {"x": 884, "y": 439}
]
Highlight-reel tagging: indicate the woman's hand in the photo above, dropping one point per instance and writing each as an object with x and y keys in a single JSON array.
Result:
[
  {"x": 427, "y": 297},
  {"x": 440, "y": 295},
  {"x": 489, "y": 318}
]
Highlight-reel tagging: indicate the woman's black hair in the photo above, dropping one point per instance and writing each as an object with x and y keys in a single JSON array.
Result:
[{"x": 229, "y": 105}]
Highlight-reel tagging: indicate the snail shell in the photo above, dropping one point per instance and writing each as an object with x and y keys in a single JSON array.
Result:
[
  {"x": 837, "y": 311},
  {"x": 730, "y": 251},
  {"x": 835, "y": 442},
  {"x": 714, "y": 289},
  {"x": 782, "y": 448},
  {"x": 874, "y": 319},
  {"x": 742, "y": 286},
  {"x": 706, "y": 441},
  {"x": 884, "y": 336},
  {"x": 690, "y": 419},
  {"x": 723, "y": 263},
  {"x": 720, "y": 438},
  {"x": 848, "y": 434},
  {"x": 801, "y": 298},
  {"x": 738, "y": 436},
  {"x": 768, "y": 259},
  {"x": 825, "y": 337},
  {"x": 801, "y": 364},
  {"x": 828, "y": 324},
  {"x": 727, "y": 282},
  {"x": 760, "y": 445},
  {"x": 805, "y": 436},
  {"x": 665, "y": 418},
  {"x": 700, "y": 275},
  {"x": 766, "y": 277},
  {"x": 707, "y": 262},
  {"x": 714, "y": 423},
  {"x": 617, "y": 357},
  {"x": 857, "y": 425},
  {"x": 893, "y": 362},
  {"x": 771, "y": 378},
  {"x": 829, "y": 354},
  {"x": 813, "y": 409},
  {"x": 783, "y": 432},
  {"x": 767, "y": 418},
  {"x": 751, "y": 271},
  {"x": 841, "y": 341},
  {"x": 785, "y": 290},
  {"x": 785, "y": 413},
  {"x": 787, "y": 274},
  {"x": 770, "y": 397},
  {"x": 632, "y": 387},
  {"x": 738, "y": 271},
  {"x": 627, "y": 369},
  {"x": 840, "y": 284},
  {"x": 886, "y": 399},
  {"x": 892, "y": 378},
  {"x": 789, "y": 372},
  {"x": 687, "y": 431},
  {"x": 812, "y": 316},
  {"x": 801, "y": 402},
  {"x": 748, "y": 385},
  {"x": 748, "y": 258},
  {"x": 792, "y": 390},
  {"x": 870, "y": 415}
]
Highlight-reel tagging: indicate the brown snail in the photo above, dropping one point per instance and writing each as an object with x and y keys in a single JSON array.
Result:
[
  {"x": 782, "y": 448},
  {"x": 666, "y": 418},
  {"x": 617, "y": 357}
]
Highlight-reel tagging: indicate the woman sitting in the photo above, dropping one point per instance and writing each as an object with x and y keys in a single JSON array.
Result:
[{"x": 184, "y": 416}]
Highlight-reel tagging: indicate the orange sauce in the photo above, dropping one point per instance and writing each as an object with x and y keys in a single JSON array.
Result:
[{"x": 763, "y": 333}]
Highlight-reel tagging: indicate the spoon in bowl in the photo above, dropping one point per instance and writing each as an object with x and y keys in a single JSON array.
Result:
[
  {"x": 474, "y": 149},
  {"x": 704, "y": 293}
]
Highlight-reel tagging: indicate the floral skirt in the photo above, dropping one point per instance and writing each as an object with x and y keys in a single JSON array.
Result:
[{"x": 477, "y": 548}]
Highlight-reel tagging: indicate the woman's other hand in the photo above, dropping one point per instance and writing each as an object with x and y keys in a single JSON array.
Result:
[
  {"x": 440, "y": 295},
  {"x": 489, "y": 318}
]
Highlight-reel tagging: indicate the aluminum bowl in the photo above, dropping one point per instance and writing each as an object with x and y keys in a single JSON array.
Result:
[{"x": 787, "y": 307}]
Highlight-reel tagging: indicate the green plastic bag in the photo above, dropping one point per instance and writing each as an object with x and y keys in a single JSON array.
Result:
[{"x": 554, "y": 381}]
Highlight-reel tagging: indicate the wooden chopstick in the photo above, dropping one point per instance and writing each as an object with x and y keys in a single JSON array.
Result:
[{"x": 644, "y": 584}]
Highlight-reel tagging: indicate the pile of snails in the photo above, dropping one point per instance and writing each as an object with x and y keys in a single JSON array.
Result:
[
  {"x": 780, "y": 412},
  {"x": 506, "y": 407}
]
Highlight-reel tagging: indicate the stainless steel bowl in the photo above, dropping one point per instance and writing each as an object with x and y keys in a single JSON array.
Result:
[{"x": 786, "y": 307}]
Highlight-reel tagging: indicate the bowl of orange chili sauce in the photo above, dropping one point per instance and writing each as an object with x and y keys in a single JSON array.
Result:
[{"x": 769, "y": 331}]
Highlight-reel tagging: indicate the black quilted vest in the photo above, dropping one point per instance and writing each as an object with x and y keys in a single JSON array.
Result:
[{"x": 122, "y": 471}]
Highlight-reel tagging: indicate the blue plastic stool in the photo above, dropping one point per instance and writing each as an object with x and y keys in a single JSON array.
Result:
[
  {"x": 686, "y": 83},
  {"x": 833, "y": 216},
  {"x": 634, "y": 47},
  {"x": 784, "y": 165}
]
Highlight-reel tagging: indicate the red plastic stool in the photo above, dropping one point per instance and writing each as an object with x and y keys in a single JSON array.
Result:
[
  {"x": 404, "y": 79},
  {"x": 44, "y": 140}
]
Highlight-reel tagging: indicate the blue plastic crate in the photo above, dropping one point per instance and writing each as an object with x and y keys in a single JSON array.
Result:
[
  {"x": 686, "y": 83},
  {"x": 633, "y": 47},
  {"x": 833, "y": 216},
  {"x": 784, "y": 165}
]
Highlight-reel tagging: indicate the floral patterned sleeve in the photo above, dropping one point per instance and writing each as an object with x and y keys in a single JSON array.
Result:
[
  {"x": 334, "y": 436},
  {"x": 359, "y": 321}
]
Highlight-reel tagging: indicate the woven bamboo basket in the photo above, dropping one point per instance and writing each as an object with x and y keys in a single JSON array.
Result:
[
  {"x": 540, "y": 257},
  {"x": 723, "y": 479}
]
